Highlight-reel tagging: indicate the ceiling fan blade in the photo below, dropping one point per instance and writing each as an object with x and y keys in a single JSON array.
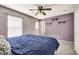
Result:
[
  {"x": 37, "y": 13},
  {"x": 32, "y": 9},
  {"x": 47, "y": 9},
  {"x": 44, "y": 13}
]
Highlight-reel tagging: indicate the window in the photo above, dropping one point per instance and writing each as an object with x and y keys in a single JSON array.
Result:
[{"x": 14, "y": 26}]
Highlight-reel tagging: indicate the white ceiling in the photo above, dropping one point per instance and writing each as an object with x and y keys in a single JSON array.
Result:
[{"x": 57, "y": 9}]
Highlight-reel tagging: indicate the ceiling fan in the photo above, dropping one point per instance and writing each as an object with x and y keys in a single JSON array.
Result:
[{"x": 41, "y": 10}]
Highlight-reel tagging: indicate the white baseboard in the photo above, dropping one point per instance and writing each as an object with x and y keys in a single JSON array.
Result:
[{"x": 65, "y": 41}]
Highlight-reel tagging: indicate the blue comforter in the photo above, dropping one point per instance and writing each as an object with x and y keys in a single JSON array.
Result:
[{"x": 33, "y": 45}]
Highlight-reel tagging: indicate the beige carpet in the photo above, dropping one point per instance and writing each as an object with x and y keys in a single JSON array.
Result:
[{"x": 65, "y": 48}]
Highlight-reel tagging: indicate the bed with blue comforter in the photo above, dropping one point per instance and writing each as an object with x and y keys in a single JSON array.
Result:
[{"x": 33, "y": 45}]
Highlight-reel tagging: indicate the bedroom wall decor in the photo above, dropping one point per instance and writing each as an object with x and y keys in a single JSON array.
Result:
[
  {"x": 49, "y": 23},
  {"x": 54, "y": 19},
  {"x": 63, "y": 22}
]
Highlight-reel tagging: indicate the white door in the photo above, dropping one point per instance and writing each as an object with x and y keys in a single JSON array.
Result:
[{"x": 42, "y": 28}]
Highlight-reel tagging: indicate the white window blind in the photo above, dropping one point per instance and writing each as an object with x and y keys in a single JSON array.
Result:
[{"x": 14, "y": 26}]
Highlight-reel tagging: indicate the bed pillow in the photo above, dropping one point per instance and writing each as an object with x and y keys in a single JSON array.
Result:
[{"x": 5, "y": 48}]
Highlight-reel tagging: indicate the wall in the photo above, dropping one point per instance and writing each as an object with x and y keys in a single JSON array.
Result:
[
  {"x": 3, "y": 24},
  {"x": 62, "y": 31},
  {"x": 76, "y": 29},
  {"x": 28, "y": 22}
]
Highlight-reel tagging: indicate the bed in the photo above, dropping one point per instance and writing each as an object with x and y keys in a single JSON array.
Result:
[{"x": 33, "y": 45}]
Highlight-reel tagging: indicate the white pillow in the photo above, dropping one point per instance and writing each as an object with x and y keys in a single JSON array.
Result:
[{"x": 5, "y": 48}]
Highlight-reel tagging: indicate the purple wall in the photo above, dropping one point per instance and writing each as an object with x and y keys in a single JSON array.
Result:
[{"x": 64, "y": 31}]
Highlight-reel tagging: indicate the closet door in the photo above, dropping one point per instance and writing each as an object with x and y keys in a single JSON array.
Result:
[
  {"x": 37, "y": 25},
  {"x": 42, "y": 28},
  {"x": 76, "y": 29}
]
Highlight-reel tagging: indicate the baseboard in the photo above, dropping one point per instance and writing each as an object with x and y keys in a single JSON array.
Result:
[{"x": 65, "y": 41}]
